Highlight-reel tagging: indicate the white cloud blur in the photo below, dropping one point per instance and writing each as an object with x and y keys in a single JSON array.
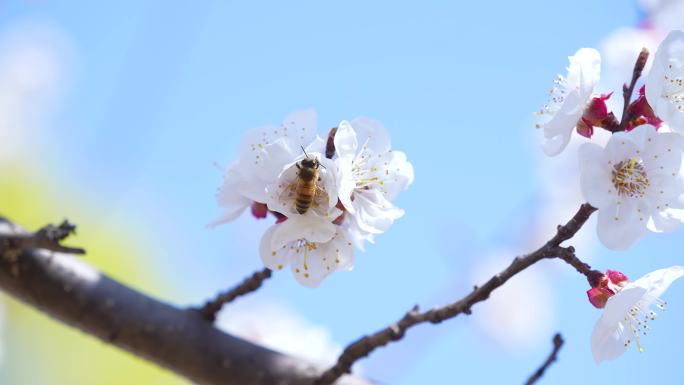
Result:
[
  {"x": 518, "y": 315},
  {"x": 664, "y": 15},
  {"x": 281, "y": 328},
  {"x": 35, "y": 61}
]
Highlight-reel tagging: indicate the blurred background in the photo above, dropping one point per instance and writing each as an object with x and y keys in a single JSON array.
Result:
[{"x": 115, "y": 115}]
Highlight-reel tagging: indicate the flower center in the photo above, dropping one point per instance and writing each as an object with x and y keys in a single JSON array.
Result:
[
  {"x": 637, "y": 319},
  {"x": 306, "y": 246},
  {"x": 630, "y": 179},
  {"x": 365, "y": 175}
]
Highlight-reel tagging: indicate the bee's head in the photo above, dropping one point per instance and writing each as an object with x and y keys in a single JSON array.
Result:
[{"x": 309, "y": 162}]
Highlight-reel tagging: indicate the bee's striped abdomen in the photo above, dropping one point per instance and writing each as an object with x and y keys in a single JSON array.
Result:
[{"x": 305, "y": 195}]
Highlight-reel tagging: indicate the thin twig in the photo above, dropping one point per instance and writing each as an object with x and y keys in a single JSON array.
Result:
[
  {"x": 250, "y": 284},
  {"x": 557, "y": 344},
  {"x": 552, "y": 249},
  {"x": 628, "y": 90}
]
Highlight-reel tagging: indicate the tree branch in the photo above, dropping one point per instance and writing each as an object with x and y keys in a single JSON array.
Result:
[
  {"x": 552, "y": 249},
  {"x": 181, "y": 340},
  {"x": 557, "y": 344},
  {"x": 47, "y": 238},
  {"x": 250, "y": 284}
]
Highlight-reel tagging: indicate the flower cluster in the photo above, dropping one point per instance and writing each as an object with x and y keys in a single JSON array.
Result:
[
  {"x": 635, "y": 179},
  {"x": 326, "y": 197}
]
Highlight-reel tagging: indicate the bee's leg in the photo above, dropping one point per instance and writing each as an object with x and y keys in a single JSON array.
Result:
[{"x": 298, "y": 166}]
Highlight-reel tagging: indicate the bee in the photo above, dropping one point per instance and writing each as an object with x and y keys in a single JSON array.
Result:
[{"x": 307, "y": 183}]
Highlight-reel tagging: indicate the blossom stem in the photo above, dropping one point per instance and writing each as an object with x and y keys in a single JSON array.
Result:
[
  {"x": 552, "y": 249},
  {"x": 250, "y": 284},
  {"x": 557, "y": 344},
  {"x": 628, "y": 90}
]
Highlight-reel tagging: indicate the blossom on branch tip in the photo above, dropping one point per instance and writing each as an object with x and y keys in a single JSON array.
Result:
[
  {"x": 322, "y": 204},
  {"x": 568, "y": 100},
  {"x": 370, "y": 176},
  {"x": 665, "y": 81},
  {"x": 636, "y": 184},
  {"x": 628, "y": 313},
  {"x": 312, "y": 257}
]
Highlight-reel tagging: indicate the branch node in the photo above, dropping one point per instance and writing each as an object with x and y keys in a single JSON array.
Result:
[{"x": 48, "y": 238}]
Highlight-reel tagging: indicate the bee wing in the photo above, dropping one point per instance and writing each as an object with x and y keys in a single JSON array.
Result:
[{"x": 321, "y": 201}]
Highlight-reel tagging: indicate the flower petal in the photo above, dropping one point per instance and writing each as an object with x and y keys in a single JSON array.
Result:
[
  {"x": 298, "y": 127},
  {"x": 587, "y": 61},
  {"x": 311, "y": 266},
  {"x": 371, "y": 134},
  {"x": 609, "y": 336},
  {"x": 595, "y": 176},
  {"x": 308, "y": 227},
  {"x": 273, "y": 258},
  {"x": 558, "y": 130},
  {"x": 662, "y": 88},
  {"x": 374, "y": 213},
  {"x": 619, "y": 225},
  {"x": 229, "y": 197},
  {"x": 623, "y": 146},
  {"x": 655, "y": 283},
  {"x": 345, "y": 140}
]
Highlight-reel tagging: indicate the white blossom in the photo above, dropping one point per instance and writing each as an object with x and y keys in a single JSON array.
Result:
[
  {"x": 351, "y": 202},
  {"x": 370, "y": 176},
  {"x": 312, "y": 257},
  {"x": 628, "y": 314},
  {"x": 264, "y": 153},
  {"x": 568, "y": 98},
  {"x": 636, "y": 184},
  {"x": 665, "y": 81}
]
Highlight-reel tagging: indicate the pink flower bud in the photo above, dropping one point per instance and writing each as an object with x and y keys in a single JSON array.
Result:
[
  {"x": 640, "y": 112},
  {"x": 597, "y": 109},
  {"x": 259, "y": 210},
  {"x": 598, "y": 297},
  {"x": 594, "y": 114},
  {"x": 617, "y": 278},
  {"x": 605, "y": 286}
]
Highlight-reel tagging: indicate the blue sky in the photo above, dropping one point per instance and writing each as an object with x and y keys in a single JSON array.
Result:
[{"x": 161, "y": 91}]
